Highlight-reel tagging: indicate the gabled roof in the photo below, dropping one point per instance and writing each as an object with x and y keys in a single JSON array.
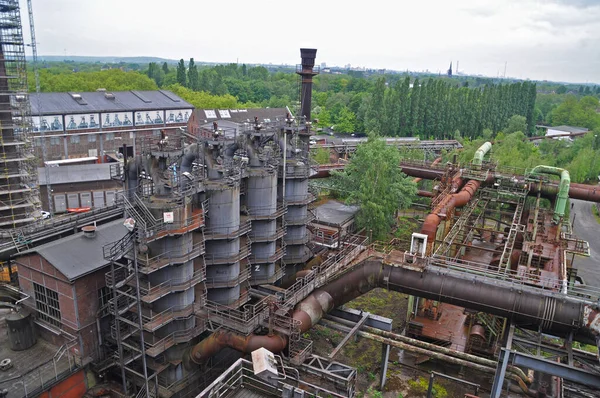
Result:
[
  {"x": 240, "y": 116},
  {"x": 99, "y": 101},
  {"x": 76, "y": 255}
]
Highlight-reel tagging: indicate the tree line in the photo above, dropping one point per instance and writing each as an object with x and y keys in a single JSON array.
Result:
[{"x": 437, "y": 109}]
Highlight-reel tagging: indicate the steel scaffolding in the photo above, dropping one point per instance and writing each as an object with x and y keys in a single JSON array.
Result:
[{"x": 19, "y": 196}]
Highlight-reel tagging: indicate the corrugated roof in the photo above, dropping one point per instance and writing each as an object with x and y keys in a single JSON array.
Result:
[
  {"x": 569, "y": 129},
  {"x": 76, "y": 255},
  {"x": 240, "y": 115},
  {"x": 97, "y": 101}
]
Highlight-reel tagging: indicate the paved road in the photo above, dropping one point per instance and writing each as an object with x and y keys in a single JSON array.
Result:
[{"x": 587, "y": 228}]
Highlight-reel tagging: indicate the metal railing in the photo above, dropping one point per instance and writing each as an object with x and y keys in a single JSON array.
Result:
[
  {"x": 517, "y": 279},
  {"x": 153, "y": 349},
  {"x": 148, "y": 264},
  {"x": 244, "y": 320},
  {"x": 227, "y": 232},
  {"x": 279, "y": 233},
  {"x": 228, "y": 258},
  {"x": 150, "y": 292},
  {"x": 263, "y": 258},
  {"x": 267, "y": 212},
  {"x": 226, "y": 280}
]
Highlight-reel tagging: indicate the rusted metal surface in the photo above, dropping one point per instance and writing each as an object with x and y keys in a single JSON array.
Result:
[{"x": 447, "y": 325}]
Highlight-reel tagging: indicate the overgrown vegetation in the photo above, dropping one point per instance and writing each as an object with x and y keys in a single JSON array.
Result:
[
  {"x": 420, "y": 386},
  {"x": 373, "y": 180},
  {"x": 581, "y": 157}
]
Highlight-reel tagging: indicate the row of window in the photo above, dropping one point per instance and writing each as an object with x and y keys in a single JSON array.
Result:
[
  {"x": 75, "y": 139},
  {"x": 48, "y": 306}
]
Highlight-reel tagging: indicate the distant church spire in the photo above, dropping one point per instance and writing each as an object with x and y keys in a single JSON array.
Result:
[{"x": 450, "y": 70}]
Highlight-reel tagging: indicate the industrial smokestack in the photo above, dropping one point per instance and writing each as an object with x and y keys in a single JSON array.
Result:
[{"x": 306, "y": 72}]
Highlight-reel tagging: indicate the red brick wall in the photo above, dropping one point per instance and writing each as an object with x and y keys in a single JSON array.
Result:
[{"x": 78, "y": 301}]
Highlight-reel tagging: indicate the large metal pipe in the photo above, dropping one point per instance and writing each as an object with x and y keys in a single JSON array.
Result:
[
  {"x": 553, "y": 314},
  {"x": 563, "y": 188},
  {"x": 480, "y": 153},
  {"x": 429, "y": 349},
  {"x": 432, "y": 221},
  {"x": 434, "y": 163}
]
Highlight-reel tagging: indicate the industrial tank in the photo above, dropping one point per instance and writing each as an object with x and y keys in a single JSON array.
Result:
[{"x": 21, "y": 331}]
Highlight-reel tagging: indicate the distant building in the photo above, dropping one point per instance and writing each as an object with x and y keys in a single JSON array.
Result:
[
  {"x": 450, "y": 70},
  {"x": 99, "y": 123},
  {"x": 233, "y": 119},
  {"x": 65, "y": 282},
  {"x": 565, "y": 132},
  {"x": 83, "y": 132}
]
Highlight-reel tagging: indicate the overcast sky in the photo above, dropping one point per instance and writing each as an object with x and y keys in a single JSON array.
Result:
[{"x": 539, "y": 39}]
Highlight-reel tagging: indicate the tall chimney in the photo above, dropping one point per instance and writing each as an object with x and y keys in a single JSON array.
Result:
[{"x": 306, "y": 72}]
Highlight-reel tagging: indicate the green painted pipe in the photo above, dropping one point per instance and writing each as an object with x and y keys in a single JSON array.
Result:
[
  {"x": 563, "y": 188},
  {"x": 480, "y": 153}
]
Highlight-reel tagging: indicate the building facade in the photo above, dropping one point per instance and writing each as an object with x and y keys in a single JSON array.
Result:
[
  {"x": 65, "y": 282},
  {"x": 98, "y": 124}
]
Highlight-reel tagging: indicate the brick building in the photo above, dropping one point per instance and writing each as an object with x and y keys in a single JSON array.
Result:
[
  {"x": 96, "y": 124},
  {"x": 85, "y": 129},
  {"x": 65, "y": 280}
]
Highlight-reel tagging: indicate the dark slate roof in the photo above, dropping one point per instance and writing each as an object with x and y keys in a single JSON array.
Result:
[
  {"x": 240, "y": 116},
  {"x": 76, "y": 255},
  {"x": 335, "y": 213},
  {"x": 98, "y": 101}
]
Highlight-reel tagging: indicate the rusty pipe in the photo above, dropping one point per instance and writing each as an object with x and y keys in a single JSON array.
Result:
[
  {"x": 432, "y": 221},
  {"x": 434, "y": 163},
  {"x": 422, "y": 347},
  {"x": 527, "y": 307}
]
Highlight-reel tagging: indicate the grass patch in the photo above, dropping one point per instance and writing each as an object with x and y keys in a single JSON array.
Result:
[
  {"x": 596, "y": 213},
  {"x": 421, "y": 385}
]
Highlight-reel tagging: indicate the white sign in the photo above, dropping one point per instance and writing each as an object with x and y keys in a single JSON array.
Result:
[
  {"x": 177, "y": 115},
  {"x": 168, "y": 217},
  {"x": 47, "y": 123},
  {"x": 117, "y": 119},
  {"x": 146, "y": 118},
  {"x": 83, "y": 122}
]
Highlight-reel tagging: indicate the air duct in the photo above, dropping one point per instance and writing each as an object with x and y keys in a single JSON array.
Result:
[
  {"x": 480, "y": 153},
  {"x": 563, "y": 188}
]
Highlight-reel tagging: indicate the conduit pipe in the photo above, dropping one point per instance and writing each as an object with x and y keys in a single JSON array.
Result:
[
  {"x": 563, "y": 188},
  {"x": 474, "y": 362},
  {"x": 528, "y": 307},
  {"x": 432, "y": 221},
  {"x": 481, "y": 152},
  {"x": 434, "y": 163},
  {"x": 369, "y": 332}
]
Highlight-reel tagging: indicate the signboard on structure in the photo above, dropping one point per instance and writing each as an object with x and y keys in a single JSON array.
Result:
[
  {"x": 117, "y": 119},
  {"x": 47, "y": 123},
  {"x": 149, "y": 118},
  {"x": 168, "y": 217},
  {"x": 82, "y": 122},
  {"x": 177, "y": 115}
]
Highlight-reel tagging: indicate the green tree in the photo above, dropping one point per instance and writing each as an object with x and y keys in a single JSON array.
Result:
[
  {"x": 516, "y": 123},
  {"x": 374, "y": 181},
  {"x": 345, "y": 121},
  {"x": 376, "y": 112},
  {"x": 181, "y": 78},
  {"x": 320, "y": 155},
  {"x": 165, "y": 68},
  {"x": 192, "y": 75}
]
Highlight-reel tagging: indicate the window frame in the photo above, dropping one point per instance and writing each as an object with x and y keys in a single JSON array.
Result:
[{"x": 47, "y": 304}]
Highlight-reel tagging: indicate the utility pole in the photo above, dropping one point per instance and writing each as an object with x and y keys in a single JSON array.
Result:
[{"x": 39, "y": 105}]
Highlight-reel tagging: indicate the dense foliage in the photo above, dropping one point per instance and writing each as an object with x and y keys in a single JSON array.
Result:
[
  {"x": 374, "y": 181},
  {"x": 581, "y": 157},
  {"x": 436, "y": 109}
]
